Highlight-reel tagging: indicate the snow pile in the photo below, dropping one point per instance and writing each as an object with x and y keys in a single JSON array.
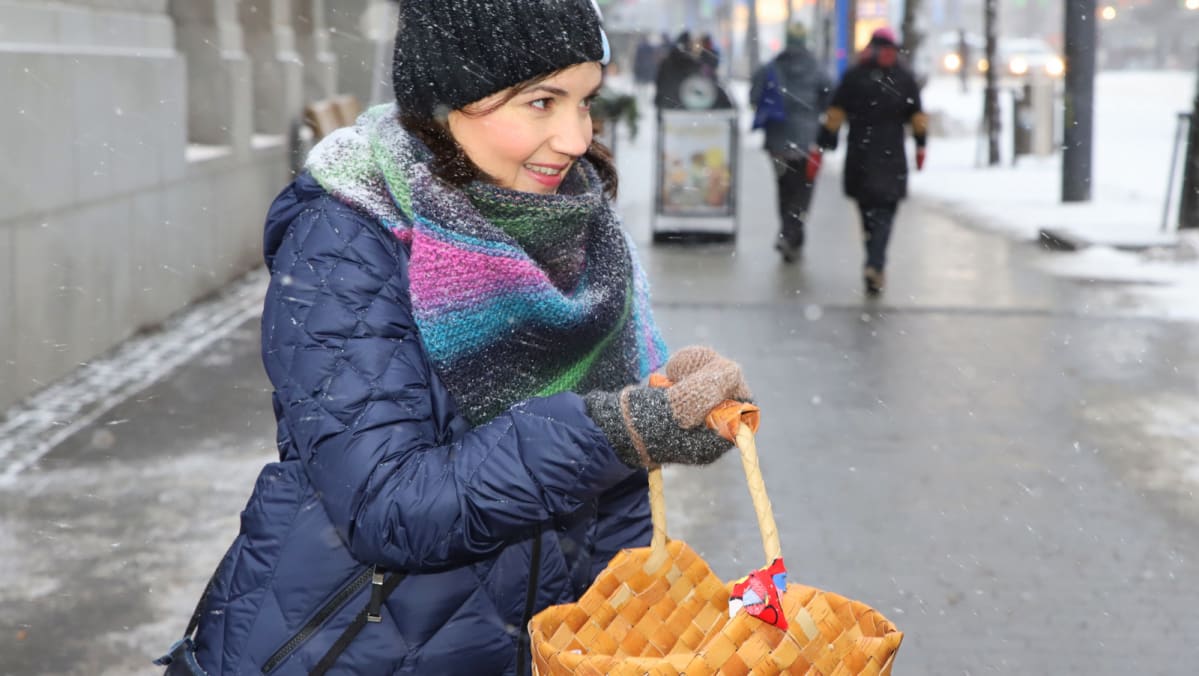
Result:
[{"x": 1136, "y": 117}]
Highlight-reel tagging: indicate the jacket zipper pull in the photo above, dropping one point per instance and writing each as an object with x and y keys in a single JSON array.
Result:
[{"x": 375, "y": 606}]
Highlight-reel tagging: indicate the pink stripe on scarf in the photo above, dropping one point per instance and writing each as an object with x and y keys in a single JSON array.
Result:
[{"x": 443, "y": 276}]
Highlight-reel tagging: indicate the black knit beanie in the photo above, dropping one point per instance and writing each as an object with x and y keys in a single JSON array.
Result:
[{"x": 449, "y": 53}]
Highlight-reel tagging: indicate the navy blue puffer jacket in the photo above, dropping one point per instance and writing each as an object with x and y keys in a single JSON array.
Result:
[{"x": 378, "y": 470}]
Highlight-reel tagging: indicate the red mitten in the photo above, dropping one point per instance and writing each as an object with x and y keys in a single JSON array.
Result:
[
  {"x": 919, "y": 158},
  {"x": 815, "y": 155}
]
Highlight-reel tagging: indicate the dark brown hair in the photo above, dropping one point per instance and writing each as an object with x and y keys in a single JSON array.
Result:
[{"x": 451, "y": 165}]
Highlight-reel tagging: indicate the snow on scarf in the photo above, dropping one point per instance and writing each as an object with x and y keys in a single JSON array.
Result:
[{"x": 516, "y": 294}]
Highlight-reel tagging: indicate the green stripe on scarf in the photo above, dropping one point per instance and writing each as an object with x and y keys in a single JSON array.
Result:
[{"x": 575, "y": 374}]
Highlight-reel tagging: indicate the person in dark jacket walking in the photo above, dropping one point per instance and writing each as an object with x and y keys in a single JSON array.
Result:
[
  {"x": 645, "y": 63},
  {"x": 878, "y": 96},
  {"x": 455, "y": 329},
  {"x": 800, "y": 83}
]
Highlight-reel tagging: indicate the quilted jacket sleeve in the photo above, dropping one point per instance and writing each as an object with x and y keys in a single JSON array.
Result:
[
  {"x": 357, "y": 398},
  {"x": 623, "y": 520}
]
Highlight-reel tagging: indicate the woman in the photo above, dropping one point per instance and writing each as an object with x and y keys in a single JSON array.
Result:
[
  {"x": 454, "y": 328},
  {"x": 877, "y": 97}
]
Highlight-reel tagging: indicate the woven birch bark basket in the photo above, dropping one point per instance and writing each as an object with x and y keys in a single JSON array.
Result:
[{"x": 660, "y": 610}]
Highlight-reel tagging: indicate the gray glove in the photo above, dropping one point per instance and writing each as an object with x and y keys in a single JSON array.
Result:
[
  {"x": 649, "y": 426},
  {"x": 655, "y": 426}
]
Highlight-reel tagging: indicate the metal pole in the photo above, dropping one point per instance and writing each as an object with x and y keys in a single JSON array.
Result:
[
  {"x": 1188, "y": 208},
  {"x": 912, "y": 37},
  {"x": 751, "y": 37},
  {"x": 991, "y": 94},
  {"x": 843, "y": 40},
  {"x": 828, "y": 11},
  {"x": 1184, "y": 120},
  {"x": 1080, "y": 98},
  {"x": 726, "y": 24}
]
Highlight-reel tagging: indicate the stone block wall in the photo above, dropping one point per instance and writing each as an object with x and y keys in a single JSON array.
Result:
[{"x": 144, "y": 141}]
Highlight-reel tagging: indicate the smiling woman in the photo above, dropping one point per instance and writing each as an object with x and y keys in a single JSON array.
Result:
[{"x": 455, "y": 330}]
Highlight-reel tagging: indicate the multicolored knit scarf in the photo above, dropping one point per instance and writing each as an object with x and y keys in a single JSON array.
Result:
[{"x": 516, "y": 295}]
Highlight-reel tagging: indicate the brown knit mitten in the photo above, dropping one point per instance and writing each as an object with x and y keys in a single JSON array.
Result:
[
  {"x": 703, "y": 388},
  {"x": 688, "y": 360}
]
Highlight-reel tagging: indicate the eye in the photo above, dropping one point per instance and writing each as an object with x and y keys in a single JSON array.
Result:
[
  {"x": 587, "y": 102},
  {"x": 541, "y": 104}
]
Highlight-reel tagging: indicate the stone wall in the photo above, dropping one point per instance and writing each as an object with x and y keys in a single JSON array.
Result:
[{"x": 143, "y": 142}]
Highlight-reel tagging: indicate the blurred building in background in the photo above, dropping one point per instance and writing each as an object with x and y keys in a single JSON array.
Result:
[
  {"x": 144, "y": 140},
  {"x": 1148, "y": 33}
]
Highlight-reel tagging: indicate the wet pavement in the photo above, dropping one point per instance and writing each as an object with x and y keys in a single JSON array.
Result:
[{"x": 998, "y": 461}]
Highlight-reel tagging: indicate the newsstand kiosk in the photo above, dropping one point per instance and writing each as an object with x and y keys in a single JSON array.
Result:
[{"x": 695, "y": 194}]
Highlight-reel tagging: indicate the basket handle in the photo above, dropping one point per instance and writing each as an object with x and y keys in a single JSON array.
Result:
[{"x": 736, "y": 421}]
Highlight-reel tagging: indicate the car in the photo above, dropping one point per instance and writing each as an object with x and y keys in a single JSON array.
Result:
[
  {"x": 945, "y": 50},
  {"x": 1020, "y": 56},
  {"x": 1024, "y": 57}
]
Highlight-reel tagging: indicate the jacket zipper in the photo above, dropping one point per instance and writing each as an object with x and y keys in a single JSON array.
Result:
[
  {"x": 530, "y": 601},
  {"x": 317, "y": 620}
]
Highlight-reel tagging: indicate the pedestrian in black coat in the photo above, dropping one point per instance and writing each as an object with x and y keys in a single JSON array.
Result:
[{"x": 877, "y": 97}]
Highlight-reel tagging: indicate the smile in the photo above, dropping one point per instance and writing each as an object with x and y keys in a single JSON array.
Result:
[
  {"x": 547, "y": 175},
  {"x": 546, "y": 171}
]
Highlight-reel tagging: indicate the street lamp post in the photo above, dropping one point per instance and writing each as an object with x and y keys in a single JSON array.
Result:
[
  {"x": 991, "y": 94},
  {"x": 1080, "y": 99},
  {"x": 751, "y": 37},
  {"x": 1188, "y": 210}
]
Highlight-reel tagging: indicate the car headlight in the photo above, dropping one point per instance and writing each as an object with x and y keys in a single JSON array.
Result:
[
  {"x": 1055, "y": 67},
  {"x": 952, "y": 62},
  {"x": 1018, "y": 66}
]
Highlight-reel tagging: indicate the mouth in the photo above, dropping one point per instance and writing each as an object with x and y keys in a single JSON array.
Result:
[{"x": 546, "y": 174}]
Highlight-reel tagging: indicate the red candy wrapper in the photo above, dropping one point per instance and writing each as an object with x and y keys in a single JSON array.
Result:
[{"x": 760, "y": 593}]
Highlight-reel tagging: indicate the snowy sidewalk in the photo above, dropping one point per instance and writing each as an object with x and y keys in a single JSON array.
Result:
[{"x": 1135, "y": 122}]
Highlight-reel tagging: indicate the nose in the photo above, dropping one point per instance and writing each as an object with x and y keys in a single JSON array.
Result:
[{"x": 572, "y": 133}]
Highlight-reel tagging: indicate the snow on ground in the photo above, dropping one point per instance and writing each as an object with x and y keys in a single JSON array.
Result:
[{"x": 1135, "y": 126}]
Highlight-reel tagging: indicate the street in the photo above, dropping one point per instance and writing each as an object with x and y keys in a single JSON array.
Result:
[{"x": 993, "y": 458}]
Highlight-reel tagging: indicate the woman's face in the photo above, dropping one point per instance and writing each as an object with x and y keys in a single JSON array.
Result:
[{"x": 530, "y": 142}]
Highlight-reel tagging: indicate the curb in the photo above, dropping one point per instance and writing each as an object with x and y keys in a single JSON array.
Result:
[{"x": 1065, "y": 239}]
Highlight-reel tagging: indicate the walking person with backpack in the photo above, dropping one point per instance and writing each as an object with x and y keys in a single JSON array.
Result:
[
  {"x": 456, "y": 330},
  {"x": 790, "y": 93},
  {"x": 877, "y": 97},
  {"x": 645, "y": 63}
]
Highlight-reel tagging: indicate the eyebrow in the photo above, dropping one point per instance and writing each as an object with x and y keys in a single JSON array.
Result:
[{"x": 558, "y": 91}]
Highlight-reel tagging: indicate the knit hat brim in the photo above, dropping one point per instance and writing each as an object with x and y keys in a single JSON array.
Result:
[{"x": 451, "y": 53}]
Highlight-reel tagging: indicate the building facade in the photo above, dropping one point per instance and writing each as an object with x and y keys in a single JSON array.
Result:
[{"x": 144, "y": 140}]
